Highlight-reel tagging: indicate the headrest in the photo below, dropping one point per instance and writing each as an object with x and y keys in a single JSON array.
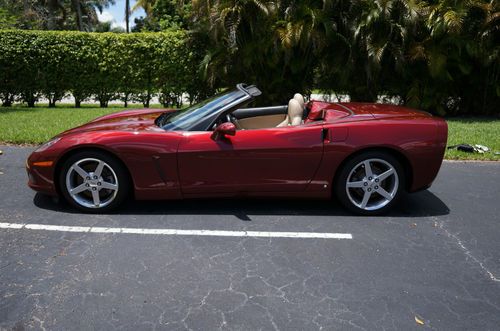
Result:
[
  {"x": 299, "y": 98},
  {"x": 294, "y": 112}
]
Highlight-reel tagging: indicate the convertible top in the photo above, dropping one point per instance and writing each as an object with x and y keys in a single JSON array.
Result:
[{"x": 251, "y": 90}]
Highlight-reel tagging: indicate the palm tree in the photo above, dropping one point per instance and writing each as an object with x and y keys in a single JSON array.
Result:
[
  {"x": 270, "y": 43},
  {"x": 55, "y": 7},
  {"x": 377, "y": 34},
  {"x": 462, "y": 40},
  {"x": 147, "y": 5},
  {"x": 85, "y": 12},
  {"x": 228, "y": 25},
  {"x": 77, "y": 8}
]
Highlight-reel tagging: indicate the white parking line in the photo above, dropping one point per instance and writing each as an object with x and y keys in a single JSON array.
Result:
[{"x": 176, "y": 232}]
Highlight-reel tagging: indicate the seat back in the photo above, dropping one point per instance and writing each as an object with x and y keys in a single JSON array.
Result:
[
  {"x": 295, "y": 111},
  {"x": 294, "y": 116}
]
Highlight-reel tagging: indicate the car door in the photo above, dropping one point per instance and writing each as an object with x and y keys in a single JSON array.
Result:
[{"x": 263, "y": 160}]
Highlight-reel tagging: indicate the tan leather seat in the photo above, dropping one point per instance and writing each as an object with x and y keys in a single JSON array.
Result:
[{"x": 295, "y": 111}]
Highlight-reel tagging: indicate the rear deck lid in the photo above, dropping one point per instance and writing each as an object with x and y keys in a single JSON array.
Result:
[{"x": 381, "y": 111}]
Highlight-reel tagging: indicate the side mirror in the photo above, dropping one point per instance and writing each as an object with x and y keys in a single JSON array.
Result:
[{"x": 223, "y": 129}]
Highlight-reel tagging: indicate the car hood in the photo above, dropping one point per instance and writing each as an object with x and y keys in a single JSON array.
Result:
[{"x": 128, "y": 120}]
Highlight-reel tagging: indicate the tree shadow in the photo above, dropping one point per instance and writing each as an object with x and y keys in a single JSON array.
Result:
[{"x": 421, "y": 204}]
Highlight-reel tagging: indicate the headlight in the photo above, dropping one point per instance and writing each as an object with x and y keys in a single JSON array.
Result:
[{"x": 47, "y": 144}]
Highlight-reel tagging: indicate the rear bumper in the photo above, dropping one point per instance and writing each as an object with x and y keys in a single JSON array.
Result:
[{"x": 427, "y": 161}]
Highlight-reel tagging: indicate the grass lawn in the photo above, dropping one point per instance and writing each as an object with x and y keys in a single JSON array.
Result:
[
  {"x": 22, "y": 125},
  {"x": 474, "y": 130}
]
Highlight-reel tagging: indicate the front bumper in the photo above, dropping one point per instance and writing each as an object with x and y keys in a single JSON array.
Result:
[{"x": 40, "y": 177}]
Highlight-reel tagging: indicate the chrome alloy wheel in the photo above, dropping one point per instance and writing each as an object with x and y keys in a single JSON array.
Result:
[
  {"x": 372, "y": 184},
  {"x": 92, "y": 183}
]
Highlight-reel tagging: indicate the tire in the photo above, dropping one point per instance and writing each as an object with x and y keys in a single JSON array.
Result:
[
  {"x": 94, "y": 182},
  {"x": 371, "y": 192}
]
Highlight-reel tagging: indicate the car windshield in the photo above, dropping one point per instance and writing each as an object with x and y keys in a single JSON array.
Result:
[{"x": 186, "y": 118}]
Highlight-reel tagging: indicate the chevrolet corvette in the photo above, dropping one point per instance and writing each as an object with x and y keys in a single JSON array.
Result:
[{"x": 365, "y": 155}]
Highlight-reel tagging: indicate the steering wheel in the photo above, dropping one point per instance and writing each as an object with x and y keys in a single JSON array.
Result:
[{"x": 234, "y": 120}]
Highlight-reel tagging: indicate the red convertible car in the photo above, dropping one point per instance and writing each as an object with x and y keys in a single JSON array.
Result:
[{"x": 365, "y": 155}]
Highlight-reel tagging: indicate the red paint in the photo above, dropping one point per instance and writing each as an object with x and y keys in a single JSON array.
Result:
[
  {"x": 294, "y": 161},
  {"x": 269, "y": 160}
]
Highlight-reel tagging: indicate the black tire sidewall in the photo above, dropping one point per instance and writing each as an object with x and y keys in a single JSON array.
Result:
[
  {"x": 121, "y": 174},
  {"x": 340, "y": 182}
]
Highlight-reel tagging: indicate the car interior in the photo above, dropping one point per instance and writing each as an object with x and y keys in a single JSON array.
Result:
[{"x": 269, "y": 117}]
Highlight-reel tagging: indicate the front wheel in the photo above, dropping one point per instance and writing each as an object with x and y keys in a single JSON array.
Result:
[
  {"x": 370, "y": 183},
  {"x": 94, "y": 182}
]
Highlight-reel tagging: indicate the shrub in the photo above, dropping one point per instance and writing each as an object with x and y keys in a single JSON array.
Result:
[{"x": 105, "y": 66}]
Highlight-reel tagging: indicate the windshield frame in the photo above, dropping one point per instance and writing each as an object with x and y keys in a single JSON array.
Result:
[{"x": 209, "y": 110}]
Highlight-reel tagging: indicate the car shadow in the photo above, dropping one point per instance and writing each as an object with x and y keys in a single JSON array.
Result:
[{"x": 420, "y": 204}]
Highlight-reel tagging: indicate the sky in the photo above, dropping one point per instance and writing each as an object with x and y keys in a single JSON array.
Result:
[{"x": 116, "y": 14}]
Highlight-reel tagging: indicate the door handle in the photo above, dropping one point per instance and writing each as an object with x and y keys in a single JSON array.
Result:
[
  {"x": 339, "y": 134},
  {"x": 325, "y": 137}
]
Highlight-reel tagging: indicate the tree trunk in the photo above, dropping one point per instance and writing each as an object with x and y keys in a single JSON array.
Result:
[
  {"x": 29, "y": 97},
  {"x": 78, "y": 14},
  {"x": 127, "y": 15},
  {"x": 126, "y": 97},
  {"x": 54, "y": 7},
  {"x": 78, "y": 103},
  {"x": 147, "y": 100},
  {"x": 51, "y": 21},
  {"x": 7, "y": 100},
  {"x": 103, "y": 103}
]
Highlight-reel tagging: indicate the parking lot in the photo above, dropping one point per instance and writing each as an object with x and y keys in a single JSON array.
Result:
[{"x": 434, "y": 263}]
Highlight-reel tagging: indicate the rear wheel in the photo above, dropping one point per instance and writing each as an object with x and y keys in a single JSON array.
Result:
[
  {"x": 94, "y": 182},
  {"x": 370, "y": 183}
]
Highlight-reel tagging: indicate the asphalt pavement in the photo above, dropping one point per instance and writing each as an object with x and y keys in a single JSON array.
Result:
[{"x": 433, "y": 263}]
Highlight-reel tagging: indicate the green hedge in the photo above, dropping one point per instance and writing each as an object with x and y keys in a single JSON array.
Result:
[{"x": 103, "y": 66}]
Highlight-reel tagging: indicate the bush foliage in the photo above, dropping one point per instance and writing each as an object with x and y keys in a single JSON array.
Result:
[
  {"x": 440, "y": 56},
  {"x": 103, "y": 66}
]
